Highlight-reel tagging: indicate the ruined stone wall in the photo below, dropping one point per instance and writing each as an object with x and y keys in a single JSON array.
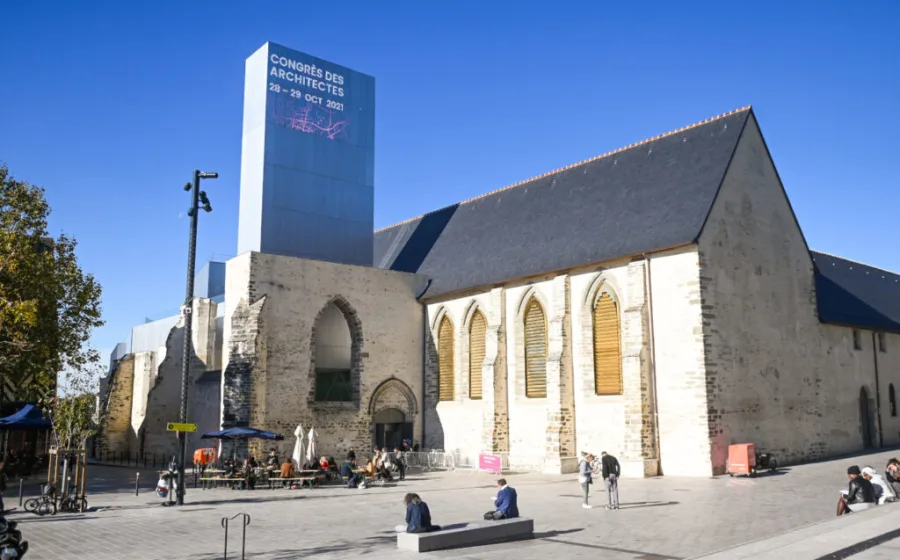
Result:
[
  {"x": 164, "y": 399},
  {"x": 273, "y": 356},
  {"x": 144, "y": 380},
  {"x": 115, "y": 436}
]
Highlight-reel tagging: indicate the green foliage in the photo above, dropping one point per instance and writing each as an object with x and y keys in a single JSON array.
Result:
[
  {"x": 73, "y": 409},
  {"x": 48, "y": 305}
]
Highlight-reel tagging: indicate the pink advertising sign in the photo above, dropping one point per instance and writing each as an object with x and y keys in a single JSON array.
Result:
[{"x": 489, "y": 463}]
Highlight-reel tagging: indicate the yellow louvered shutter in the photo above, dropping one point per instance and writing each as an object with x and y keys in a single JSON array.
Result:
[
  {"x": 445, "y": 360},
  {"x": 607, "y": 349},
  {"x": 477, "y": 335},
  {"x": 535, "y": 351}
]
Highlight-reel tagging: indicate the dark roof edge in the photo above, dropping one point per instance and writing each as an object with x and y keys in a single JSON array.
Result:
[
  {"x": 747, "y": 108},
  {"x": 852, "y": 261},
  {"x": 427, "y": 298},
  {"x": 725, "y": 174}
]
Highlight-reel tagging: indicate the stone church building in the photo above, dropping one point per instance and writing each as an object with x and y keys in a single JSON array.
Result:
[{"x": 658, "y": 302}]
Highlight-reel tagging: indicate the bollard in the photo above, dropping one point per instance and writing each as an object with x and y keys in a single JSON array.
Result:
[
  {"x": 137, "y": 484},
  {"x": 21, "y": 484}
]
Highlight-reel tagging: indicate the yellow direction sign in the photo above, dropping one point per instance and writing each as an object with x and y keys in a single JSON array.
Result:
[{"x": 178, "y": 427}]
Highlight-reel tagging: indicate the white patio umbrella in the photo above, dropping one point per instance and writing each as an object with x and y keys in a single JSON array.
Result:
[
  {"x": 298, "y": 446},
  {"x": 311, "y": 449}
]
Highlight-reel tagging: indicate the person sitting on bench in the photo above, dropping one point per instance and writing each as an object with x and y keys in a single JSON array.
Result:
[
  {"x": 347, "y": 469},
  {"x": 418, "y": 517},
  {"x": 506, "y": 502}
]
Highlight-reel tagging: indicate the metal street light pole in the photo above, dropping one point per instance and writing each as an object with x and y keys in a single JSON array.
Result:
[{"x": 197, "y": 197}]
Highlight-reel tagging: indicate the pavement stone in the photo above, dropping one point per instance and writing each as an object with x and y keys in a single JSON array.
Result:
[{"x": 664, "y": 518}]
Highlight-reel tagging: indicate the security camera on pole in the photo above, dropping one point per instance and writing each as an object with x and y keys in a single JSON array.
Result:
[{"x": 198, "y": 198}]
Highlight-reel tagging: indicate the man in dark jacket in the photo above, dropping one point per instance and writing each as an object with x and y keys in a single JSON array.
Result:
[
  {"x": 860, "y": 495},
  {"x": 347, "y": 469},
  {"x": 611, "y": 471},
  {"x": 506, "y": 502}
]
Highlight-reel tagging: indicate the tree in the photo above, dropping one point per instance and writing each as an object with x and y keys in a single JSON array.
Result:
[
  {"x": 48, "y": 305},
  {"x": 73, "y": 410}
]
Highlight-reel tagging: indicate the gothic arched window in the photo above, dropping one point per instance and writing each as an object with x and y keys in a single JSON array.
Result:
[
  {"x": 477, "y": 336},
  {"x": 607, "y": 347},
  {"x": 445, "y": 360},
  {"x": 535, "y": 351}
]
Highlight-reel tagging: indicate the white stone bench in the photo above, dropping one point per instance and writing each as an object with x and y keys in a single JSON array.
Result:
[{"x": 470, "y": 534}]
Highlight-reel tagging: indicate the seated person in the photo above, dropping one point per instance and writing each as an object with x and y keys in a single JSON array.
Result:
[
  {"x": 287, "y": 469},
  {"x": 892, "y": 475},
  {"x": 323, "y": 463},
  {"x": 272, "y": 461},
  {"x": 353, "y": 479},
  {"x": 379, "y": 471},
  {"x": 860, "y": 495},
  {"x": 883, "y": 491},
  {"x": 506, "y": 502},
  {"x": 418, "y": 518}
]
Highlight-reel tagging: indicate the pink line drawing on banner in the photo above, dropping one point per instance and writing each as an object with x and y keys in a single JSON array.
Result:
[{"x": 312, "y": 119}]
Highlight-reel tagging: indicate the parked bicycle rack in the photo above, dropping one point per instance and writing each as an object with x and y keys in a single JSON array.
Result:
[{"x": 246, "y": 521}]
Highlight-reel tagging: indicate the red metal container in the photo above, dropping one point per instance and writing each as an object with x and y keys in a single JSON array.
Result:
[{"x": 741, "y": 458}]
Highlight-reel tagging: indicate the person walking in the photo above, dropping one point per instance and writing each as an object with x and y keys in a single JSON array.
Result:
[
  {"x": 611, "y": 471},
  {"x": 585, "y": 478}
]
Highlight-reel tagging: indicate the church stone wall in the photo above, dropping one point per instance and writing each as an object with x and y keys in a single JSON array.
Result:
[
  {"x": 386, "y": 323},
  {"x": 680, "y": 363},
  {"x": 776, "y": 376},
  {"x": 622, "y": 425},
  {"x": 888, "y": 374},
  {"x": 466, "y": 426}
]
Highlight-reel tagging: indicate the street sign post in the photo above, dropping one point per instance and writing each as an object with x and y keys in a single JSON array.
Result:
[{"x": 181, "y": 427}]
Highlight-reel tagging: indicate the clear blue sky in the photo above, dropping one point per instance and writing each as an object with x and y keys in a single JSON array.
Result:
[{"x": 111, "y": 105}]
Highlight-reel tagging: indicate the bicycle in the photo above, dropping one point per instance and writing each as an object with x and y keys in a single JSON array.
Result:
[
  {"x": 45, "y": 504},
  {"x": 73, "y": 504}
]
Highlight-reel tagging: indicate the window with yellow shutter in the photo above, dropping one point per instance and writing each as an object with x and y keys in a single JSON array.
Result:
[
  {"x": 445, "y": 360},
  {"x": 535, "y": 351},
  {"x": 477, "y": 335},
  {"x": 607, "y": 347}
]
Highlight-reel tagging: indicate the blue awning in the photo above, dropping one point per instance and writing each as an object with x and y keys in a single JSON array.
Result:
[
  {"x": 242, "y": 433},
  {"x": 29, "y": 418}
]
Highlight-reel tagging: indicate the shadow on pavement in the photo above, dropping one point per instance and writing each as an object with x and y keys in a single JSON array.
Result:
[{"x": 370, "y": 544}]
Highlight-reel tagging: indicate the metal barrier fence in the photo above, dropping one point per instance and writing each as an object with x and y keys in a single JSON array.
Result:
[
  {"x": 147, "y": 460},
  {"x": 433, "y": 460},
  {"x": 454, "y": 460}
]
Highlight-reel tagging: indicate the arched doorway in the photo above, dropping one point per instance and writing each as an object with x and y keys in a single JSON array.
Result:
[
  {"x": 391, "y": 428},
  {"x": 865, "y": 419}
]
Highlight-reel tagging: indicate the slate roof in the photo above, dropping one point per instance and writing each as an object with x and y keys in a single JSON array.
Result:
[
  {"x": 645, "y": 197},
  {"x": 855, "y": 294}
]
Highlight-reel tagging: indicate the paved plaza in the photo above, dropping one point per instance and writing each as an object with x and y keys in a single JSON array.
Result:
[{"x": 661, "y": 519}]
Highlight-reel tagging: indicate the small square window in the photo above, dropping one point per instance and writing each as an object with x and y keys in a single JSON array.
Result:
[
  {"x": 882, "y": 342},
  {"x": 857, "y": 340}
]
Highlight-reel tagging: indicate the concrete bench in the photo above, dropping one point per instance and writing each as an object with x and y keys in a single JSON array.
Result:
[{"x": 469, "y": 534}]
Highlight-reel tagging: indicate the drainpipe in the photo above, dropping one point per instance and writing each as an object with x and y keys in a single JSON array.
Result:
[
  {"x": 424, "y": 358},
  {"x": 877, "y": 390},
  {"x": 648, "y": 286}
]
